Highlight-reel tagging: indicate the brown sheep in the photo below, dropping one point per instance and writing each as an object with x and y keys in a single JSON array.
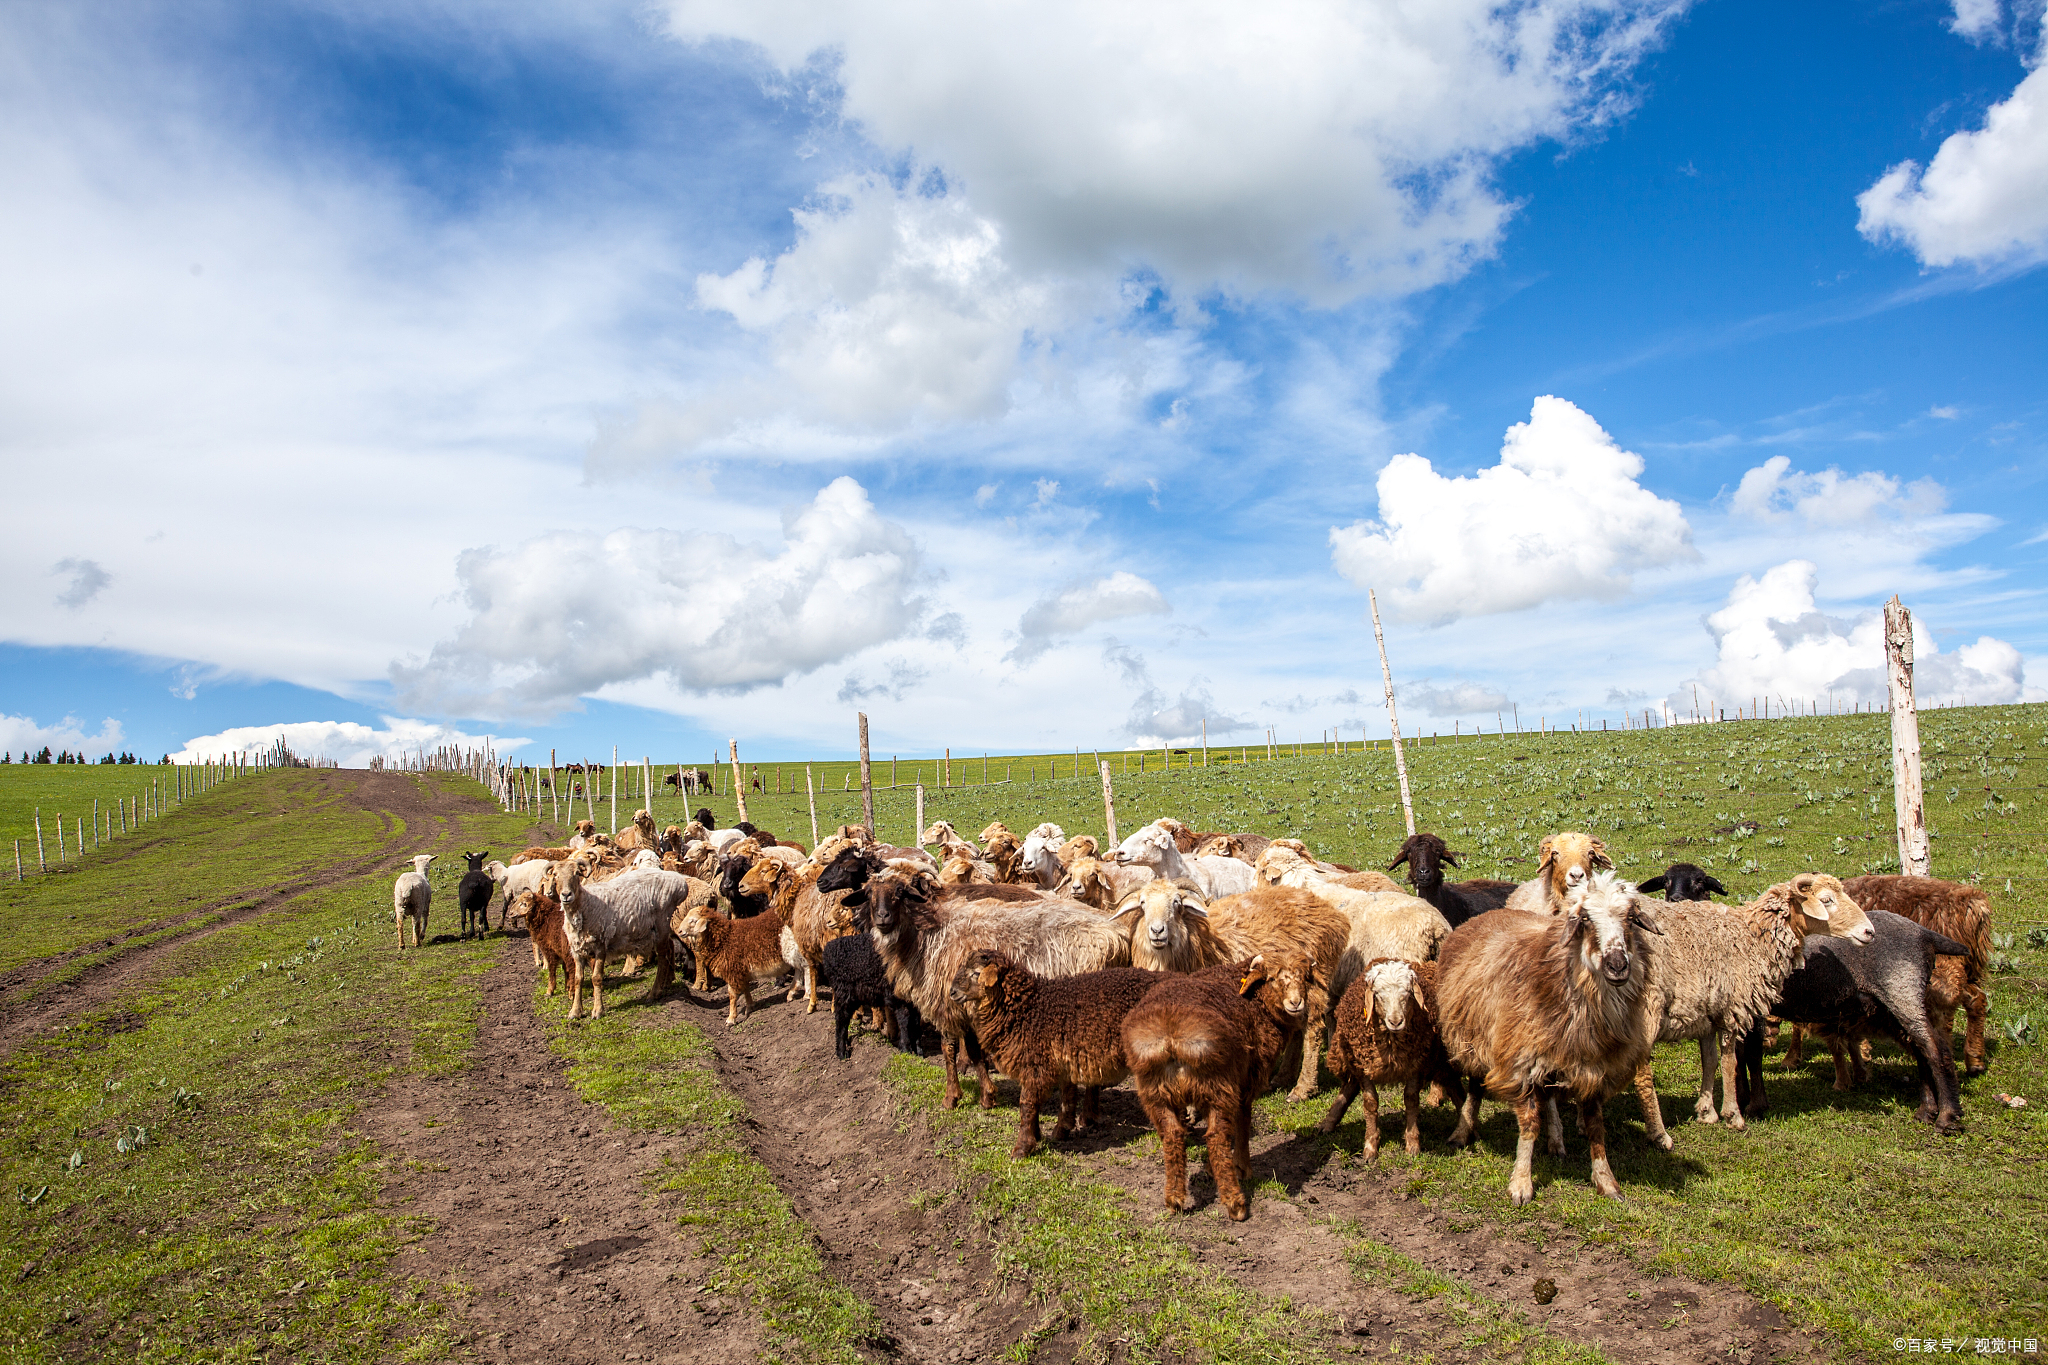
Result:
[
  {"x": 738, "y": 952},
  {"x": 537, "y": 853},
  {"x": 1210, "y": 1042},
  {"x": 1275, "y": 921},
  {"x": 640, "y": 834},
  {"x": 1382, "y": 1034},
  {"x": 1563, "y": 861},
  {"x": 1005, "y": 853},
  {"x": 1059, "y": 1034},
  {"x": 1524, "y": 1003},
  {"x": 1105, "y": 886},
  {"x": 1080, "y": 846},
  {"x": 1954, "y": 910},
  {"x": 543, "y": 914}
]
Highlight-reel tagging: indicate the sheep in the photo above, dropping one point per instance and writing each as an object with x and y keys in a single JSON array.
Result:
[
  {"x": 1080, "y": 846},
  {"x": 924, "y": 932},
  {"x": 1039, "y": 856},
  {"x": 738, "y": 952},
  {"x": 539, "y": 853},
  {"x": 959, "y": 869},
  {"x": 1719, "y": 970},
  {"x": 1154, "y": 847},
  {"x": 1106, "y": 886},
  {"x": 1171, "y": 928},
  {"x": 1004, "y": 852},
  {"x": 543, "y": 914},
  {"x": 411, "y": 898},
  {"x": 1563, "y": 861},
  {"x": 1280, "y": 920},
  {"x": 854, "y": 971},
  {"x": 1376, "y": 881},
  {"x": 1845, "y": 989},
  {"x": 584, "y": 837},
  {"x": 1523, "y": 1003},
  {"x": 732, "y": 871},
  {"x": 1685, "y": 882},
  {"x": 629, "y": 915},
  {"x": 473, "y": 894},
  {"x": 640, "y": 834},
  {"x": 1382, "y": 1032},
  {"x": 1064, "y": 1034},
  {"x": 1425, "y": 855},
  {"x": 1954, "y": 910},
  {"x": 1385, "y": 921},
  {"x": 1210, "y": 1041}
]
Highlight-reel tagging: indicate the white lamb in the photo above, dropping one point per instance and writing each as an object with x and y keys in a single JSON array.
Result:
[
  {"x": 1040, "y": 855},
  {"x": 411, "y": 898},
  {"x": 1154, "y": 847},
  {"x": 627, "y": 916}
]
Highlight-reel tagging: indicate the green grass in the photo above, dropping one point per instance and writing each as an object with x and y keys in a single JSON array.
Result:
[
  {"x": 657, "y": 1077},
  {"x": 244, "y": 1223},
  {"x": 68, "y": 790}
]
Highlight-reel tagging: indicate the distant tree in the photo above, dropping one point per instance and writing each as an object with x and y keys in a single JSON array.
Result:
[{"x": 44, "y": 756}]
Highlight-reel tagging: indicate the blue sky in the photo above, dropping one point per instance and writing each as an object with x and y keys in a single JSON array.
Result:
[{"x": 651, "y": 375}]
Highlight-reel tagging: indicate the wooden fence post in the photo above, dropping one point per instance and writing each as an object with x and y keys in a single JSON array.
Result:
[
  {"x": 917, "y": 835},
  {"x": 811, "y": 788},
  {"x": 1906, "y": 800},
  {"x": 867, "y": 781},
  {"x": 1108, "y": 807},
  {"x": 739, "y": 780},
  {"x": 1393, "y": 717},
  {"x": 554, "y": 791},
  {"x": 1205, "y": 741},
  {"x": 41, "y": 865}
]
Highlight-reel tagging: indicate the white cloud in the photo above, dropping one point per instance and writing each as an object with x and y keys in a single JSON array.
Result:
[
  {"x": 1983, "y": 199},
  {"x": 1772, "y": 641},
  {"x": 1774, "y": 490},
  {"x": 1976, "y": 20},
  {"x": 1561, "y": 516},
  {"x": 88, "y": 580},
  {"x": 23, "y": 733},
  {"x": 562, "y": 615},
  {"x": 345, "y": 742},
  {"x": 1156, "y": 719},
  {"x": 1074, "y": 608},
  {"x": 1455, "y": 699}
]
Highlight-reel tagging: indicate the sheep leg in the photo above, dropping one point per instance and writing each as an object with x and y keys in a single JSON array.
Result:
[
  {"x": 949, "y": 1052},
  {"x": 1312, "y": 1046},
  {"x": 1593, "y": 1120},
  {"x": 1553, "y": 1123},
  {"x": 1411, "y": 1127},
  {"x": 1063, "y": 1128},
  {"x": 1370, "y": 1110},
  {"x": 575, "y": 988},
  {"x": 1975, "y": 1006},
  {"x": 1795, "y": 1051},
  {"x": 811, "y": 987},
  {"x": 1845, "y": 1078},
  {"x": 1222, "y": 1144},
  {"x": 1173, "y": 1152},
  {"x": 664, "y": 970},
  {"x": 1030, "y": 1092},
  {"x": 1468, "y": 1118},
  {"x": 1653, "y": 1112},
  {"x": 1749, "y": 1075},
  {"x": 597, "y": 987},
  {"x": 1528, "y": 1122},
  {"x": 1346, "y": 1093},
  {"x": 1091, "y": 1108},
  {"x": 1728, "y": 1065},
  {"x": 842, "y": 1017},
  {"x": 1770, "y": 1034},
  {"x": 739, "y": 999},
  {"x": 988, "y": 1086}
]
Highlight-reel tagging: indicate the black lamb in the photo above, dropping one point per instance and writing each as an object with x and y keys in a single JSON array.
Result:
[
  {"x": 853, "y": 969},
  {"x": 1426, "y": 855},
  {"x": 473, "y": 894}
]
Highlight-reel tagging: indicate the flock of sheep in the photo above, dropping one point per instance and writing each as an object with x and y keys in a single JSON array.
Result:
[{"x": 1202, "y": 965}]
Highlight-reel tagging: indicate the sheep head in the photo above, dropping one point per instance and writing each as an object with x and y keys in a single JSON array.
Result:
[
  {"x": 940, "y": 832},
  {"x": 1426, "y": 856},
  {"x": 420, "y": 861},
  {"x": 980, "y": 979},
  {"x": 958, "y": 869},
  {"x": 1569, "y": 858},
  {"x": 586, "y": 828},
  {"x": 761, "y": 879},
  {"x": 1183, "y": 837},
  {"x": 1819, "y": 905},
  {"x": 1080, "y": 846},
  {"x": 850, "y": 869},
  {"x": 1684, "y": 882},
  {"x": 1220, "y": 846},
  {"x": 1160, "y": 905},
  {"x": 1280, "y": 982},
  {"x": 891, "y": 897},
  {"x": 1391, "y": 984},
  {"x": 1604, "y": 921},
  {"x": 994, "y": 828},
  {"x": 475, "y": 861},
  {"x": 1152, "y": 845},
  {"x": 1280, "y": 862}
]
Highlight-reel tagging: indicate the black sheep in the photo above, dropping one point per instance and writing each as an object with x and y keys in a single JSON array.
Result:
[
  {"x": 1845, "y": 989},
  {"x": 473, "y": 894},
  {"x": 1457, "y": 902},
  {"x": 853, "y": 969},
  {"x": 1683, "y": 882}
]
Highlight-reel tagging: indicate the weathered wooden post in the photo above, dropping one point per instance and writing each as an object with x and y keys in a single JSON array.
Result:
[
  {"x": 1108, "y": 808},
  {"x": 1205, "y": 741},
  {"x": 917, "y": 834},
  {"x": 41, "y": 866},
  {"x": 811, "y": 788},
  {"x": 867, "y": 781},
  {"x": 554, "y": 791},
  {"x": 1906, "y": 799},
  {"x": 1393, "y": 717},
  {"x": 739, "y": 780}
]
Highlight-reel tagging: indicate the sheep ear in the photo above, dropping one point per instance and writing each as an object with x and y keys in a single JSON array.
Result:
[
  {"x": 1130, "y": 903},
  {"x": 1399, "y": 858},
  {"x": 1371, "y": 1005},
  {"x": 1451, "y": 858},
  {"x": 1645, "y": 919},
  {"x": 1546, "y": 852},
  {"x": 1255, "y": 972},
  {"x": 1416, "y": 991},
  {"x": 1194, "y": 908},
  {"x": 1600, "y": 858},
  {"x": 1655, "y": 883},
  {"x": 1716, "y": 887}
]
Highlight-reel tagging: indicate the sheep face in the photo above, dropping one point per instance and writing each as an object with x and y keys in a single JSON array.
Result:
[
  {"x": 1568, "y": 859},
  {"x": 1283, "y": 980},
  {"x": 586, "y": 828},
  {"x": 1080, "y": 846},
  {"x": 979, "y": 978},
  {"x": 1159, "y": 906},
  {"x": 1393, "y": 985},
  {"x": 760, "y": 880},
  {"x": 940, "y": 832},
  {"x": 1278, "y": 863},
  {"x": 891, "y": 897},
  {"x": 1826, "y": 908},
  {"x": 1601, "y": 916},
  {"x": 645, "y": 860},
  {"x": 849, "y": 870},
  {"x": 1684, "y": 882},
  {"x": 995, "y": 827},
  {"x": 1152, "y": 845},
  {"x": 1220, "y": 846},
  {"x": 1426, "y": 856}
]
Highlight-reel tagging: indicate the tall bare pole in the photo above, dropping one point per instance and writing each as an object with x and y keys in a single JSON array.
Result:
[
  {"x": 1393, "y": 717},
  {"x": 867, "y": 781},
  {"x": 554, "y": 790},
  {"x": 1108, "y": 806},
  {"x": 917, "y": 835},
  {"x": 1906, "y": 801},
  {"x": 812, "y": 788},
  {"x": 615, "y": 787},
  {"x": 739, "y": 781},
  {"x": 1205, "y": 741}
]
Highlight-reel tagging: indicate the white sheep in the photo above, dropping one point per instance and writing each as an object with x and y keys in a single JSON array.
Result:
[
  {"x": 1040, "y": 857},
  {"x": 1154, "y": 847},
  {"x": 411, "y": 898},
  {"x": 628, "y": 916}
]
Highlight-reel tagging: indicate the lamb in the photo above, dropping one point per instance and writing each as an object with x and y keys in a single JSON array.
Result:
[
  {"x": 1154, "y": 847},
  {"x": 1210, "y": 1041},
  {"x": 1563, "y": 861},
  {"x": 1845, "y": 989},
  {"x": 1383, "y": 1033},
  {"x": 739, "y": 952},
  {"x": 1719, "y": 970},
  {"x": 1039, "y": 857},
  {"x": 1063, "y": 1034},
  {"x": 411, "y": 898},
  {"x": 640, "y": 834},
  {"x": 627, "y": 916},
  {"x": 1106, "y": 886},
  {"x": 854, "y": 971},
  {"x": 543, "y": 913},
  {"x": 1954, "y": 910},
  {"x": 925, "y": 932},
  {"x": 1426, "y": 855},
  {"x": 1524, "y": 1003},
  {"x": 473, "y": 894}
]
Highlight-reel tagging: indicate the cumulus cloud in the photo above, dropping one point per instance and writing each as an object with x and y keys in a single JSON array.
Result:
[
  {"x": 23, "y": 733},
  {"x": 1976, "y": 20},
  {"x": 1076, "y": 607},
  {"x": 1775, "y": 490},
  {"x": 1983, "y": 199},
  {"x": 1301, "y": 702},
  {"x": 348, "y": 743},
  {"x": 1040, "y": 156},
  {"x": 560, "y": 616},
  {"x": 1561, "y": 516},
  {"x": 1455, "y": 699},
  {"x": 88, "y": 580},
  {"x": 1157, "y": 719},
  {"x": 902, "y": 677},
  {"x": 1771, "y": 640}
]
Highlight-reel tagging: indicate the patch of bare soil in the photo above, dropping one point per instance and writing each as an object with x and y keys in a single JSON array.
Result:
[
  {"x": 1289, "y": 1248},
  {"x": 539, "y": 1206},
  {"x": 30, "y": 1004}
]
